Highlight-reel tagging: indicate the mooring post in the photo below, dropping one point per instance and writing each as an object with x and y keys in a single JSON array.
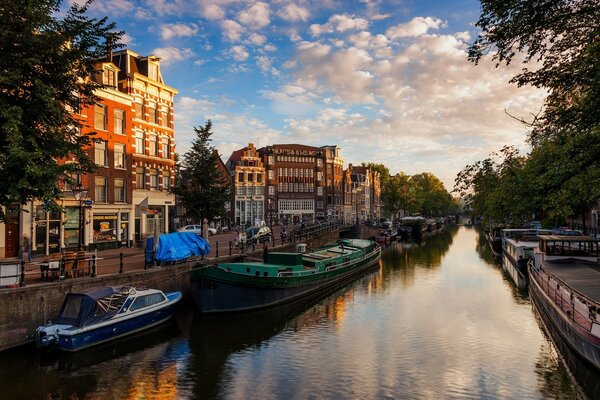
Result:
[
  {"x": 217, "y": 249},
  {"x": 230, "y": 247},
  {"x": 22, "y": 280},
  {"x": 121, "y": 263},
  {"x": 94, "y": 266}
]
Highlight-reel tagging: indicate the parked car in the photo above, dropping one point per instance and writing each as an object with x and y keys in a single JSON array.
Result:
[
  {"x": 257, "y": 234},
  {"x": 197, "y": 229}
]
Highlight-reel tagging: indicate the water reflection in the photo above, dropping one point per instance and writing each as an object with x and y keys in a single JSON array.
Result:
[{"x": 435, "y": 320}]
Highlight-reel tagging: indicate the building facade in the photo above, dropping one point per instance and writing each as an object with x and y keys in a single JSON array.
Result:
[
  {"x": 295, "y": 183},
  {"x": 153, "y": 147},
  {"x": 334, "y": 188},
  {"x": 249, "y": 180}
]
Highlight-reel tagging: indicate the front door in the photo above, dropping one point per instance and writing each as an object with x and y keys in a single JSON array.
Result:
[{"x": 12, "y": 237}]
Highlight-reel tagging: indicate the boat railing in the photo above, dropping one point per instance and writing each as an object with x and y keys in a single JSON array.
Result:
[
  {"x": 313, "y": 271},
  {"x": 579, "y": 308}
]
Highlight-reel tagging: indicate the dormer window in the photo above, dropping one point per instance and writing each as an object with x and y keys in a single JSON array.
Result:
[
  {"x": 152, "y": 71},
  {"x": 109, "y": 77}
]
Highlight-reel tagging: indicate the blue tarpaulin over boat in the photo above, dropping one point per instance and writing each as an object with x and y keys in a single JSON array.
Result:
[{"x": 180, "y": 245}]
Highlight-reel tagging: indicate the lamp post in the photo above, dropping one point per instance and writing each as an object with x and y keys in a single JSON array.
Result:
[{"x": 80, "y": 194}]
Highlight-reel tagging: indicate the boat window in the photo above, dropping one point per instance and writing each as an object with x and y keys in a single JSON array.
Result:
[
  {"x": 257, "y": 273},
  {"x": 265, "y": 273},
  {"x": 146, "y": 301},
  {"x": 72, "y": 307}
]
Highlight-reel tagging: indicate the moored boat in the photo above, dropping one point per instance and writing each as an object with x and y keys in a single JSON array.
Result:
[
  {"x": 101, "y": 314},
  {"x": 281, "y": 278},
  {"x": 565, "y": 288},
  {"x": 518, "y": 247}
]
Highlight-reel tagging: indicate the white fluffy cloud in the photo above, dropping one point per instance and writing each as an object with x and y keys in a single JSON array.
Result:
[
  {"x": 339, "y": 23},
  {"x": 170, "y": 55},
  {"x": 293, "y": 12},
  {"x": 232, "y": 31},
  {"x": 415, "y": 27},
  {"x": 239, "y": 53},
  {"x": 169, "y": 31},
  {"x": 255, "y": 16}
]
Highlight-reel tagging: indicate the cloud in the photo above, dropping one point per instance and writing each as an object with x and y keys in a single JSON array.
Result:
[
  {"x": 256, "y": 39},
  {"x": 238, "y": 53},
  {"x": 378, "y": 17},
  {"x": 415, "y": 27},
  {"x": 232, "y": 31},
  {"x": 339, "y": 23},
  {"x": 170, "y": 55},
  {"x": 212, "y": 12},
  {"x": 264, "y": 63},
  {"x": 169, "y": 31},
  {"x": 292, "y": 12},
  {"x": 255, "y": 16}
]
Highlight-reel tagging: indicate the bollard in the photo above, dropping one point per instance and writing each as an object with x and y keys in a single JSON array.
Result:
[
  {"x": 217, "y": 249},
  {"x": 230, "y": 247},
  {"x": 22, "y": 280},
  {"x": 94, "y": 266},
  {"x": 120, "y": 263},
  {"x": 253, "y": 246}
]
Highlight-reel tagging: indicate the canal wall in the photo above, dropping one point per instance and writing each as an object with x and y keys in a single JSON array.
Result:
[{"x": 26, "y": 308}]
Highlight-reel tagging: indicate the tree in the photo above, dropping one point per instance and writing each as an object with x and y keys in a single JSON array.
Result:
[
  {"x": 201, "y": 188},
  {"x": 45, "y": 64},
  {"x": 560, "y": 39},
  {"x": 430, "y": 194}
]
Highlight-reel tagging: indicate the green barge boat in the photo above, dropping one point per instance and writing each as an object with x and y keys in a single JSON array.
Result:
[{"x": 281, "y": 278}]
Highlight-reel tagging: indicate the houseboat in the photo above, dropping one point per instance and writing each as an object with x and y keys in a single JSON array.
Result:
[
  {"x": 105, "y": 313},
  {"x": 564, "y": 284},
  {"x": 280, "y": 277},
  {"x": 517, "y": 248}
]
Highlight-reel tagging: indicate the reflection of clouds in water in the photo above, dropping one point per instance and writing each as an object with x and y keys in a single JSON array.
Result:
[{"x": 454, "y": 332}]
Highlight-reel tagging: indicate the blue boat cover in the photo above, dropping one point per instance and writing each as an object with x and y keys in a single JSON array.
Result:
[
  {"x": 80, "y": 309},
  {"x": 180, "y": 245}
]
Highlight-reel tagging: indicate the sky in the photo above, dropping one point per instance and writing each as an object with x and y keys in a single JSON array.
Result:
[{"x": 387, "y": 81}]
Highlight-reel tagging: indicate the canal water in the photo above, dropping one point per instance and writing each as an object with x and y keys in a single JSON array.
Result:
[{"x": 436, "y": 320}]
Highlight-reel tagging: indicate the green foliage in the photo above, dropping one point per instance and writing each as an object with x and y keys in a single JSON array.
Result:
[
  {"x": 45, "y": 61},
  {"x": 560, "y": 40},
  {"x": 430, "y": 194},
  {"x": 202, "y": 188}
]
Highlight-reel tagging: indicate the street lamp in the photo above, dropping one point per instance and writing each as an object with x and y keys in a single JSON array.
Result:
[{"x": 80, "y": 194}]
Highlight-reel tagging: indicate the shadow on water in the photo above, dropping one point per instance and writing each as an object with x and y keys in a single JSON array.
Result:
[
  {"x": 521, "y": 296},
  {"x": 586, "y": 376},
  {"x": 30, "y": 373},
  {"x": 214, "y": 339}
]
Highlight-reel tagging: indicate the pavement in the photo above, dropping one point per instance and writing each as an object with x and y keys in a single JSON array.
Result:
[{"x": 109, "y": 261}]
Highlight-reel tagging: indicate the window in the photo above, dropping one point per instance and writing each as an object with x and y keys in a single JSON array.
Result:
[
  {"x": 152, "y": 113},
  {"x": 119, "y": 122},
  {"x": 76, "y": 181},
  {"x": 100, "y": 189},
  {"x": 139, "y": 108},
  {"x": 319, "y": 191},
  {"x": 119, "y": 155},
  {"x": 140, "y": 178},
  {"x": 271, "y": 190},
  {"x": 241, "y": 190},
  {"x": 319, "y": 176},
  {"x": 271, "y": 174},
  {"x": 319, "y": 162},
  {"x": 153, "y": 179},
  {"x": 165, "y": 148},
  {"x": 250, "y": 177},
  {"x": 259, "y": 190},
  {"x": 270, "y": 160},
  {"x": 164, "y": 116},
  {"x": 100, "y": 153},
  {"x": 147, "y": 301},
  {"x": 241, "y": 177},
  {"x": 109, "y": 78},
  {"x": 152, "y": 145},
  {"x": 250, "y": 190},
  {"x": 139, "y": 143},
  {"x": 153, "y": 71},
  {"x": 166, "y": 180},
  {"x": 259, "y": 178},
  {"x": 119, "y": 190},
  {"x": 100, "y": 121}
]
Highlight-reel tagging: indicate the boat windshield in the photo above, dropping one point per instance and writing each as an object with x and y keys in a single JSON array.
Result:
[{"x": 72, "y": 307}]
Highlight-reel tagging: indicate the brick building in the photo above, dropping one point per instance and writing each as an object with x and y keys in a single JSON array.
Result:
[
  {"x": 295, "y": 183},
  {"x": 248, "y": 172},
  {"x": 334, "y": 188}
]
